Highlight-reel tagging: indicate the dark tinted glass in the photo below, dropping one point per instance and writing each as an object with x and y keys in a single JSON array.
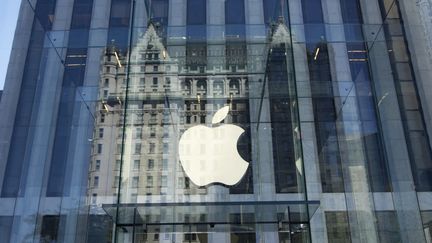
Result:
[
  {"x": 418, "y": 141},
  {"x": 81, "y": 15},
  {"x": 338, "y": 229},
  {"x": 234, "y": 12},
  {"x": 196, "y": 12},
  {"x": 5, "y": 228},
  {"x": 72, "y": 79},
  {"x": 16, "y": 159}
]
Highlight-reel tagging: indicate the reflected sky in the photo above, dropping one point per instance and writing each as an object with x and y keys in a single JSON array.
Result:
[{"x": 8, "y": 18}]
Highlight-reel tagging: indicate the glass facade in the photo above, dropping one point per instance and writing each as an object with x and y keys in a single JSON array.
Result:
[{"x": 218, "y": 121}]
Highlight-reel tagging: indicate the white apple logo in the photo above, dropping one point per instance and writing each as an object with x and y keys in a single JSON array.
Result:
[{"x": 210, "y": 155}]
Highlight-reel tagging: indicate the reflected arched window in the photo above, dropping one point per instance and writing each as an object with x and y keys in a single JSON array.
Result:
[
  {"x": 202, "y": 86},
  {"x": 234, "y": 86},
  {"x": 187, "y": 86},
  {"x": 218, "y": 87}
]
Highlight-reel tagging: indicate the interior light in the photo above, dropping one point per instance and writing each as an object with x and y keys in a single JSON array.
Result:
[
  {"x": 382, "y": 98},
  {"x": 117, "y": 58},
  {"x": 357, "y": 59},
  {"x": 357, "y": 51},
  {"x": 316, "y": 53},
  {"x": 105, "y": 107}
]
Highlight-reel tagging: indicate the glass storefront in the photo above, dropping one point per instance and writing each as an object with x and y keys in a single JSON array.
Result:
[
  {"x": 202, "y": 129},
  {"x": 216, "y": 121}
]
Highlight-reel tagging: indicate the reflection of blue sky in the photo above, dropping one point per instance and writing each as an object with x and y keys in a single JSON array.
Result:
[{"x": 8, "y": 18}]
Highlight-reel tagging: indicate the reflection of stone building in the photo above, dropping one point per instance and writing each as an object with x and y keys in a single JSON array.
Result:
[{"x": 163, "y": 100}]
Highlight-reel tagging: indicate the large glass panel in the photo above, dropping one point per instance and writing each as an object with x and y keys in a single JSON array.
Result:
[
  {"x": 427, "y": 225},
  {"x": 337, "y": 227},
  {"x": 46, "y": 162},
  {"x": 322, "y": 95},
  {"x": 204, "y": 119},
  {"x": 388, "y": 228},
  {"x": 418, "y": 142},
  {"x": 16, "y": 163},
  {"x": 5, "y": 228}
]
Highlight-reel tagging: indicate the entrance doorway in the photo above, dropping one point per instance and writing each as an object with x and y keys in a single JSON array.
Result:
[{"x": 222, "y": 222}]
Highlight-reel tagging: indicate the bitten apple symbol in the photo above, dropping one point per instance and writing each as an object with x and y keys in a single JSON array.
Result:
[{"x": 209, "y": 154}]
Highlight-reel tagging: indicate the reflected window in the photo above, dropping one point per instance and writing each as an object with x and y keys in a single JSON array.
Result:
[
  {"x": 202, "y": 87},
  {"x": 234, "y": 84},
  {"x": 97, "y": 167},
  {"x": 153, "y": 118},
  {"x": 149, "y": 181},
  {"x": 150, "y": 165},
  {"x": 152, "y": 148},
  {"x": 187, "y": 87},
  {"x": 152, "y": 131},
  {"x": 94, "y": 198},
  {"x": 138, "y": 132},
  {"x": 136, "y": 165},
  {"x": 101, "y": 132},
  {"x": 96, "y": 181},
  {"x": 135, "y": 181},
  {"x": 164, "y": 181},
  {"x": 137, "y": 148},
  {"x": 218, "y": 88}
]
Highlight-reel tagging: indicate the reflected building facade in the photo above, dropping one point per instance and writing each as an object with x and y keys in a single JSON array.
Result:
[{"x": 332, "y": 97}]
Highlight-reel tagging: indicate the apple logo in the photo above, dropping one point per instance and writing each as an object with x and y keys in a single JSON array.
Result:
[{"x": 209, "y": 154}]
